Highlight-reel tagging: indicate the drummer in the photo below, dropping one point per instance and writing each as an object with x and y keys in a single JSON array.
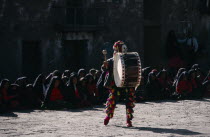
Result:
[{"x": 114, "y": 91}]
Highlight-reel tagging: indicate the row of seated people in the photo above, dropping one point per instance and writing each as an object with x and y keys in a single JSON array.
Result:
[
  {"x": 186, "y": 84},
  {"x": 69, "y": 90},
  {"x": 76, "y": 90}
]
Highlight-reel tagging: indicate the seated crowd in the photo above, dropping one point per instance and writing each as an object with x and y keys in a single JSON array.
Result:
[
  {"x": 56, "y": 91},
  {"x": 78, "y": 90},
  {"x": 185, "y": 84}
]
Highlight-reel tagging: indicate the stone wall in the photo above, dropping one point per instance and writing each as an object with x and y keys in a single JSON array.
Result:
[
  {"x": 40, "y": 21},
  {"x": 143, "y": 25}
]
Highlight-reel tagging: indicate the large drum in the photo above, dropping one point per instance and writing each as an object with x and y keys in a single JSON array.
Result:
[{"x": 127, "y": 69}]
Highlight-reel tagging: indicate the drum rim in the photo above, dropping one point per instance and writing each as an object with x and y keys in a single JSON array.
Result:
[{"x": 122, "y": 83}]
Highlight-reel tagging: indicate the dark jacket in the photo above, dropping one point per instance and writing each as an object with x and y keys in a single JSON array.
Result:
[
  {"x": 38, "y": 87},
  {"x": 50, "y": 88}
]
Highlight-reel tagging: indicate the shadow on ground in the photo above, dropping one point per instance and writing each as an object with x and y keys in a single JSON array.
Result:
[
  {"x": 165, "y": 130},
  {"x": 9, "y": 114}
]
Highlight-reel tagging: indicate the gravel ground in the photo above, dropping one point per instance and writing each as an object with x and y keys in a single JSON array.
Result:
[{"x": 161, "y": 118}]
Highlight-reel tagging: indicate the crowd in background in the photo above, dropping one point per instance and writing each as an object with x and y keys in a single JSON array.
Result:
[
  {"x": 190, "y": 83},
  {"x": 78, "y": 90},
  {"x": 57, "y": 90}
]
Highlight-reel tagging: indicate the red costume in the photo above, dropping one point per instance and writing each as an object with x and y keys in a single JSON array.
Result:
[{"x": 115, "y": 91}]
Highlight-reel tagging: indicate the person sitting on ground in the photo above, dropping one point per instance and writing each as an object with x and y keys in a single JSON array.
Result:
[
  {"x": 196, "y": 92},
  {"x": 153, "y": 88},
  {"x": 97, "y": 75},
  {"x": 207, "y": 77},
  {"x": 2, "y": 105},
  {"x": 92, "y": 72},
  {"x": 198, "y": 71},
  {"x": 65, "y": 80},
  {"x": 55, "y": 73},
  {"x": 14, "y": 91},
  {"x": 9, "y": 100},
  {"x": 66, "y": 73},
  {"x": 183, "y": 86},
  {"x": 82, "y": 85},
  {"x": 33, "y": 101},
  {"x": 195, "y": 66},
  {"x": 22, "y": 82},
  {"x": 92, "y": 90},
  {"x": 40, "y": 87},
  {"x": 73, "y": 92},
  {"x": 206, "y": 89},
  {"x": 103, "y": 92},
  {"x": 54, "y": 98},
  {"x": 155, "y": 71},
  {"x": 165, "y": 83},
  {"x": 177, "y": 76},
  {"x": 81, "y": 73}
]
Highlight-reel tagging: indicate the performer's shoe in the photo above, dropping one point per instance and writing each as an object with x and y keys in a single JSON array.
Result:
[
  {"x": 129, "y": 123},
  {"x": 106, "y": 120}
]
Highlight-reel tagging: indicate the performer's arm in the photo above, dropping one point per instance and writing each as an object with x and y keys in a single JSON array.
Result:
[{"x": 104, "y": 67}]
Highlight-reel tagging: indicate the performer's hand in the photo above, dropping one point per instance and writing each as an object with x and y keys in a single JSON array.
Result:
[{"x": 105, "y": 64}]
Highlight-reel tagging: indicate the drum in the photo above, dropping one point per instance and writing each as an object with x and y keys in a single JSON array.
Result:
[{"x": 127, "y": 69}]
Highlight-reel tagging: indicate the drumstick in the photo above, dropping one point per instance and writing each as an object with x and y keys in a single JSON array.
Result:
[{"x": 104, "y": 53}]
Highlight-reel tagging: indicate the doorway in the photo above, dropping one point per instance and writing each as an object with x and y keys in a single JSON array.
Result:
[
  {"x": 75, "y": 54},
  {"x": 31, "y": 59}
]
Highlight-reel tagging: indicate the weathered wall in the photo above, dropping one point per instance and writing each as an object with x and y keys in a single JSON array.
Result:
[
  {"x": 143, "y": 25},
  {"x": 40, "y": 21}
]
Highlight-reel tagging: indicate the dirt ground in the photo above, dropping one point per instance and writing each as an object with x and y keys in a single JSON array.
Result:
[{"x": 162, "y": 118}]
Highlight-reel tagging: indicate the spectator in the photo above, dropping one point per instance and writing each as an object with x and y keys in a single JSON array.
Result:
[
  {"x": 81, "y": 73},
  {"x": 92, "y": 72},
  {"x": 206, "y": 88},
  {"x": 8, "y": 100},
  {"x": 65, "y": 80},
  {"x": 22, "y": 82},
  {"x": 66, "y": 73},
  {"x": 177, "y": 76},
  {"x": 207, "y": 77},
  {"x": 14, "y": 92},
  {"x": 83, "y": 91},
  {"x": 33, "y": 101},
  {"x": 40, "y": 87},
  {"x": 103, "y": 94},
  {"x": 54, "y": 98},
  {"x": 73, "y": 92},
  {"x": 165, "y": 83},
  {"x": 183, "y": 86},
  {"x": 153, "y": 88},
  {"x": 97, "y": 75},
  {"x": 92, "y": 90},
  {"x": 196, "y": 92}
]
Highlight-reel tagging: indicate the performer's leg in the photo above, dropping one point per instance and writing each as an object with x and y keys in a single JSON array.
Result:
[
  {"x": 110, "y": 106},
  {"x": 129, "y": 105}
]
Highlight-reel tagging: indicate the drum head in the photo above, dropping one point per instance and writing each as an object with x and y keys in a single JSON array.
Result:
[{"x": 118, "y": 70}]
